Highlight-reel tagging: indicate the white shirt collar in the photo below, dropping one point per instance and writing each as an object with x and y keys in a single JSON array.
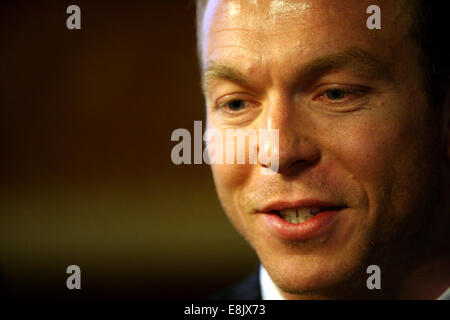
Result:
[
  {"x": 445, "y": 295},
  {"x": 269, "y": 291}
]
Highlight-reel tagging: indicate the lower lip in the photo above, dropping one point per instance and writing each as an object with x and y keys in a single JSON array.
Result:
[{"x": 316, "y": 226}]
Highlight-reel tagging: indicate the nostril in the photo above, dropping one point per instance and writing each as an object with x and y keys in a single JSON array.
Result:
[{"x": 296, "y": 166}]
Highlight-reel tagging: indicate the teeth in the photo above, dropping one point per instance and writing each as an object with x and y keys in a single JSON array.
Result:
[{"x": 299, "y": 215}]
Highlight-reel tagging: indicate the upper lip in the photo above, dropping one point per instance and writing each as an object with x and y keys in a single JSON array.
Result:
[{"x": 283, "y": 205}]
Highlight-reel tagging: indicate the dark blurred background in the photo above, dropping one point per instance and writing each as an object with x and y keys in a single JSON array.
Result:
[{"x": 86, "y": 175}]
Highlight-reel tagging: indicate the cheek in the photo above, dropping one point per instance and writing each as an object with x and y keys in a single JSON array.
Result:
[
  {"x": 230, "y": 181},
  {"x": 231, "y": 158},
  {"x": 367, "y": 150},
  {"x": 229, "y": 177},
  {"x": 364, "y": 150},
  {"x": 381, "y": 155},
  {"x": 228, "y": 174}
]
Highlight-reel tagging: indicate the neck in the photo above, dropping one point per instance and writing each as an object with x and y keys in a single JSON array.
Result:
[{"x": 429, "y": 274}]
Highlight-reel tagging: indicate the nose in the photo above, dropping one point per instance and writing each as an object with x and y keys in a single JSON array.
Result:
[{"x": 297, "y": 148}]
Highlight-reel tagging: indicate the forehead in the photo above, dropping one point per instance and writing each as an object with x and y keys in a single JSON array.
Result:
[{"x": 277, "y": 27}]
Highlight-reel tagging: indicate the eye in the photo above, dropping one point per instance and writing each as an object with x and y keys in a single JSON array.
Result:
[
  {"x": 235, "y": 105},
  {"x": 335, "y": 94},
  {"x": 341, "y": 95},
  {"x": 237, "y": 109}
]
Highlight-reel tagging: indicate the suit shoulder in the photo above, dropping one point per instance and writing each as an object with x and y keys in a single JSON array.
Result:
[{"x": 248, "y": 289}]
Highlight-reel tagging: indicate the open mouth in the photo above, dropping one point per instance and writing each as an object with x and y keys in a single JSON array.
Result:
[{"x": 302, "y": 214}]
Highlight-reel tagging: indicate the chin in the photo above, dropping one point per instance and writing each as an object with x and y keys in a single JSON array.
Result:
[{"x": 318, "y": 276}]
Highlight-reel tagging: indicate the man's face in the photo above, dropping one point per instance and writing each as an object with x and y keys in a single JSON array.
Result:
[{"x": 354, "y": 132}]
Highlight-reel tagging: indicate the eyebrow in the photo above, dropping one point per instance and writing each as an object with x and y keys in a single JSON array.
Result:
[
  {"x": 359, "y": 61},
  {"x": 217, "y": 70}
]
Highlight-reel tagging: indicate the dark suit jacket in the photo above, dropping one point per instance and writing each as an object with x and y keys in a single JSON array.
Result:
[{"x": 249, "y": 289}]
